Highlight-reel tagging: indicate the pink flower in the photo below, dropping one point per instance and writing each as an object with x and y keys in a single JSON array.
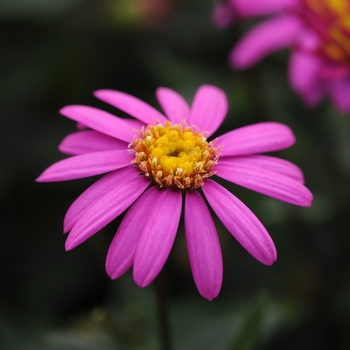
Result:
[
  {"x": 152, "y": 169},
  {"x": 318, "y": 33}
]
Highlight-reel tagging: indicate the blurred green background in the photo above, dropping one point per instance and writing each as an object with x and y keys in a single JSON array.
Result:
[{"x": 57, "y": 52}]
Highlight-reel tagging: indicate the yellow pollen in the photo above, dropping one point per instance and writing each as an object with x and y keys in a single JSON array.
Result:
[{"x": 174, "y": 155}]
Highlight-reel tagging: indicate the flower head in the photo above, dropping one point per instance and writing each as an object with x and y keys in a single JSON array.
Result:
[
  {"x": 318, "y": 34},
  {"x": 152, "y": 162}
]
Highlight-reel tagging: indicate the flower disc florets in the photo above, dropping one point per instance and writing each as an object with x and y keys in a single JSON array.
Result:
[
  {"x": 331, "y": 20},
  {"x": 174, "y": 155}
]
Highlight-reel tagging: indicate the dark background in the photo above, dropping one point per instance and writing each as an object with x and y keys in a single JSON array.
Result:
[{"x": 55, "y": 53}]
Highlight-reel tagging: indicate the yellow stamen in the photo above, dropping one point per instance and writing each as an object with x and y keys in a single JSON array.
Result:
[{"x": 174, "y": 155}]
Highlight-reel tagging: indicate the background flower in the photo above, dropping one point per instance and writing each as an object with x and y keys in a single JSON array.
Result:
[{"x": 318, "y": 35}]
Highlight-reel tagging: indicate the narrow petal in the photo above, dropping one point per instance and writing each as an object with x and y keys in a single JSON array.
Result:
[
  {"x": 121, "y": 252},
  {"x": 203, "y": 246},
  {"x": 256, "y": 138},
  {"x": 304, "y": 71},
  {"x": 131, "y": 105},
  {"x": 209, "y": 109},
  {"x": 96, "y": 191},
  {"x": 340, "y": 94},
  {"x": 86, "y": 165},
  {"x": 90, "y": 141},
  {"x": 277, "y": 165},
  {"x": 241, "y": 222},
  {"x": 100, "y": 121},
  {"x": 266, "y": 182},
  {"x": 265, "y": 38},
  {"x": 157, "y": 237},
  {"x": 252, "y": 8},
  {"x": 173, "y": 104},
  {"x": 106, "y": 208}
]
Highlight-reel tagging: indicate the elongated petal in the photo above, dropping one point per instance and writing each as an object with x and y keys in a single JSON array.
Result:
[
  {"x": 90, "y": 141},
  {"x": 304, "y": 71},
  {"x": 121, "y": 252},
  {"x": 209, "y": 109},
  {"x": 241, "y": 222},
  {"x": 266, "y": 182},
  {"x": 203, "y": 246},
  {"x": 265, "y": 38},
  {"x": 157, "y": 237},
  {"x": 106, "y": 208},
  {"x": 86, "y": 165},
  {"x": 252, "y": 8},
  {"x": 256, "y": 138},
  {"x": 173, "y": 104},
  {"x": 96, "y": 191},
  {"x": 131, "y": 105},
  {"x": 278, "y": 165},
  {"x": 100, "y": 121},
  {"x": 340, "y": 94}
]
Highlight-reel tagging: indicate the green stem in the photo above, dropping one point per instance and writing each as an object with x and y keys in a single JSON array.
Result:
[{"x": 162, "y": 313}]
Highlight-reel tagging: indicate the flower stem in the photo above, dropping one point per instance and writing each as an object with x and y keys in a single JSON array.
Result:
[{"x": 162, "y": 313}]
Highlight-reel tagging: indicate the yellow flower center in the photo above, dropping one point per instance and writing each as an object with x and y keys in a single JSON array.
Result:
[
  {"x": 174, "y": 155},
  {"x": 331, "y": 20}
]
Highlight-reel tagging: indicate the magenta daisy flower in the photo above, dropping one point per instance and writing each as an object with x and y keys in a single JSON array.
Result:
[
  {"x": 153, "y": 162},
  {"x": 318, "y": 33}
]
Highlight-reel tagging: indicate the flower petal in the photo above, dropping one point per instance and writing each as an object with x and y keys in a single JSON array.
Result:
[
  {"x": 252, "y": 8},
  {"x": 203, "y": 246},
  {"x": 173, "y": 104},
  {"x": 256, "y": 138},
  {"x": 86, "y": 165},
  {"x": 266, "y": 182},
  {"x": 209, "y": 109},
  {"x": 241, "y": 222},
  {"x": 339, "y": 90},
  {"x": 157, "y": 237},
  {"x": 121, "y": 252},
  {"x": 277, "y": 165},
  {"x": 131, "y": 105},
  {"x": 267, "y": 37},
  {"x": 90, "y": 141},
  {"x": 100, "y": 121},
  {"x": 109, "y": 184},
  {"x": 304, "y": 71}
]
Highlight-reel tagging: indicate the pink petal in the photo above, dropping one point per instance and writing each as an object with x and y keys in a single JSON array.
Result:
[
  {"x": 157, "y": 237},
  {"x": 267, "y": 37},
  {"x": 256, "y": 138},
  {"x": 241, "y": 222},
  {"x": 90, "y": 141},
  {"x": 131, "y": 105},
  {"x": 97, "y": 191},
  {"x": 252, "y": 8},
  {"x": 173, "y": 104},
  {"x": 266, "y": 182},
  {"x": 203, "y": 246},
  {"x": 86, "y": 165},
  {"x": 99, "y": 120},
  {"x": 121, "y": 252},
  {"x": 277, "y": 165},
  {"x": 209, "y": 109},
  {"x": 340, "y": 94},
  {"x": 304, "y": 71}
]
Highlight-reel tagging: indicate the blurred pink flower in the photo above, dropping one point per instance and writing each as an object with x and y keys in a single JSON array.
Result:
[
  {"x": 150, "y": 170},
  {"x": 318, "y": 33}
]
